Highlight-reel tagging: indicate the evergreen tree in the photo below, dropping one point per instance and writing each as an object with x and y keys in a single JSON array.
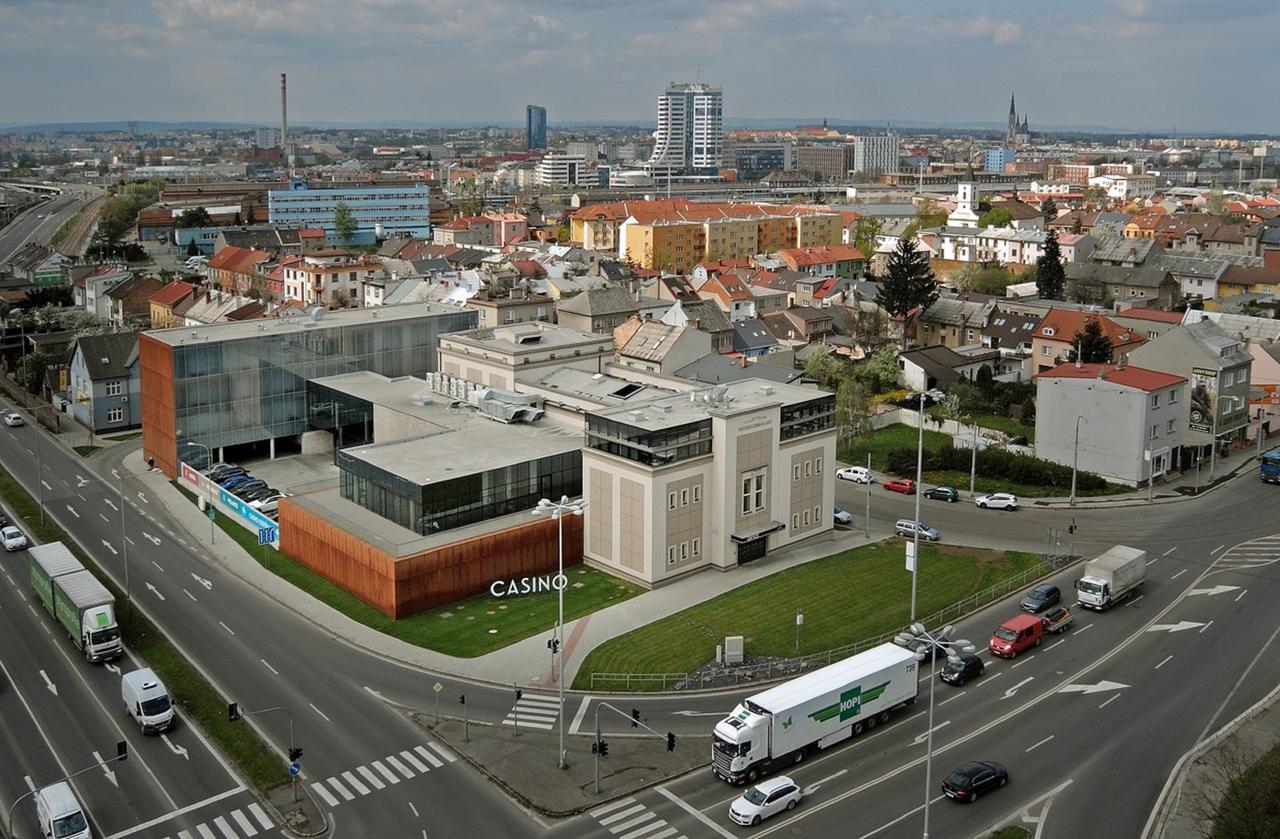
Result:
[
  {"x": 908, "y": 282},
  {"x": 1050, "y": 209},
  {"x": 1051, "y": 279},
  {"x": 344, "y": 221},
  {"x": 1092, "y": 346}
]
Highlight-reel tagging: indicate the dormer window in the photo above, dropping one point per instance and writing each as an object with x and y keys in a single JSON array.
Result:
[{"x": 1048, "y": 331}]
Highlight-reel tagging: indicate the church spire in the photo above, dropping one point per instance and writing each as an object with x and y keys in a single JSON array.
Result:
[{"x": 1013, "y": 112}]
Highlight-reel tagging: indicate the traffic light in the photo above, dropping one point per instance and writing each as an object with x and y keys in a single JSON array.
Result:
[
  {"x": 295, "y": 753},
  {"x": 122, "y": 750},
  {"x": 604, "y": 748},
  {"x": 519, "y": 694},
  {"x": 553, "y": 644},
  {"x": 671, "y": 742},
  {"x": 635, "y": 717},
  {"x": 462, "y": 700},
  {"x": 595, "y": 747},
  {"x": 233, "y": 711}
]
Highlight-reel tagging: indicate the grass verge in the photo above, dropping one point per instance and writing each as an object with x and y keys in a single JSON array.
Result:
[
  {"x": 195, "y": 696},
  {"x": 1250, "y": 806},
  {"x": 846, "y": 597},
  {"x": 996, "y": 422},
  {"x": 119, "y": 438},
  {"x": 467, "y": 628},
  {"x": 85, "y": 451}
]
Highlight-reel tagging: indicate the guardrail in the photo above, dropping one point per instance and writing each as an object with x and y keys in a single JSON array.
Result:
[{"x": 786, "y": 667}]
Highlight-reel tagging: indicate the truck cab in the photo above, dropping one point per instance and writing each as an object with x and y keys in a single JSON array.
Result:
[
  {"x": 101, "y": 634},
  {"x": 740, "y": 741},
  {"x": 1093, "y": 591}
]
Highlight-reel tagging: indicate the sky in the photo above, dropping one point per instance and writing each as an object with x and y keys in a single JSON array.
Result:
[{"x": 1130, "y": 64}]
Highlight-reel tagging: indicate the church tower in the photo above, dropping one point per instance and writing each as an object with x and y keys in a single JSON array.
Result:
[{"x": 1013, "y": 122}]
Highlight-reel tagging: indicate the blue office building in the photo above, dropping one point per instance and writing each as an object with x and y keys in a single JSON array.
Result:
[
  {"x": 379, "y": 211},
  {"x": 535, "y": 127},
  {"x": 997, "y": 158}
]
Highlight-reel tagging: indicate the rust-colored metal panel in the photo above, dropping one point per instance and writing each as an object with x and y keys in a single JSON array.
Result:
[
  {"x": 338, "y": 556},
  {"x": 159, "y": 413}
]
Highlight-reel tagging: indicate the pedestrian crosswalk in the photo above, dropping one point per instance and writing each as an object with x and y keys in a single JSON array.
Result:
[
  {"x": 533, "y": 711},
  {"x": 234, "y": 825},
  {"x": 382, "y": 773},
  {"x": 628, "y": 819}
]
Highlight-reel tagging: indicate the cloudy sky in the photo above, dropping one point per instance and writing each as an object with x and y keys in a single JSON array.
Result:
[{"x": 1148, "y": 64}]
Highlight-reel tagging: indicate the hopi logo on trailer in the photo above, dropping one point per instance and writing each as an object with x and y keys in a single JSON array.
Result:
[
  {"x": 528, "y": 585},
  {"x": 850, "y": 704}
]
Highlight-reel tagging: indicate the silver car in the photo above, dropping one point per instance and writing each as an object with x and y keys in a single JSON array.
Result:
[{"x": 906, "y": 528}]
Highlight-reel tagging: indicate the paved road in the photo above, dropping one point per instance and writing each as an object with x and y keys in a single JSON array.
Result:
[{"x": 39, "y": 223}]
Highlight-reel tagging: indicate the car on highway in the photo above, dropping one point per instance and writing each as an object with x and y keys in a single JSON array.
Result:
[
  {"x": 903, "y": 485},
  {"x": 974, "y": 778},
  {"x": 841, "y": 516},
  {"x": 961, "y": 668},
  {"x": 13, "y": 538},
  {"x": 765, "y": 799},
  {"x": 1015, "y": 635},
  {"x": 1040, "y": 598},
  {"x": 857, "y": 474},
  {"x": 906, "y": 528},
  {"x": 997, "y": 501},
  {"x": 13, "y": 419},
  {"x": 948, "y": 494}
]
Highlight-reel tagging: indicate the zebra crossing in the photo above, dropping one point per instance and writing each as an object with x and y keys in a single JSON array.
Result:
[
  {"x": 533, "y": 711},
  {"x": 1255, "y": 553},
  {"x": 628, "y": 819},
  {"x": 382, "y": 773},
  {"x": 243, "y": 828}
]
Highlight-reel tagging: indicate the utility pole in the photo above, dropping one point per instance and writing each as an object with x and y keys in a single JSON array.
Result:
[
  {"x": 866, "y": 519},
  {"x": 1075, "y": 459},
  {"x": 973, "y": 460},
  {"x": 915, "y": 536}
]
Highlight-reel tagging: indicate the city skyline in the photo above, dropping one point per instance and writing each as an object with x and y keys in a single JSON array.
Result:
[{"x": 152, "y": 62}]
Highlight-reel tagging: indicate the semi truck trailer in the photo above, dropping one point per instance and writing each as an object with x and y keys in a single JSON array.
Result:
[{"x": 76, "y": 599}]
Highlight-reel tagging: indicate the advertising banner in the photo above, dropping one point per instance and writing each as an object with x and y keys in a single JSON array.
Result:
[{"x": 1204, "y": 399}]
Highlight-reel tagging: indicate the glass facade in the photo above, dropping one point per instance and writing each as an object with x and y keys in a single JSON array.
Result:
[
  {"x": 808, "y": 417},
  {"x": 460, "y": 501},
  {"x": 255, "y": 388},
  {"x": 652, "y": 448}
]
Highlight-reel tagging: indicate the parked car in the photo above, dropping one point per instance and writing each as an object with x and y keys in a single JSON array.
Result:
[
  {"x": 268, "y": 503},
  {"x": 997, "y": 501},
  {"x": 906, "y": 528},
  {"x": 13, "y": 538},
  {"x": 764, "y": 800},
  {"x": 223, "y": 471},
  {"x": 841, "y": 516},
  {"x": 948, "y": 494},
  {"x": 259, "y": 492},
  {"x": 903, "y": 485},
  {"x": 974, "y": 778},
  {"x": 1040, "y": 598},
  {"x": 1015, "y": 635},
  {"x": 248, "y": 486},
  {"x": 960, "y": 669},
  {"x": 857, "y": 474},
  {"x": 235, "y": 481},
  {"x": 13, "y": 419}
]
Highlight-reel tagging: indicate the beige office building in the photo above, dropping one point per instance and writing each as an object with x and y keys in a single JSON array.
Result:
[
  {"x": 710, "y": 478},
  {"x": 494, "y": 357}
]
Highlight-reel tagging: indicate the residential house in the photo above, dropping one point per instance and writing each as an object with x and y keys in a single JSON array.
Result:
[
  {"x": 751, "y": 339},
  {"x": 329, "y": 278},
  {"x": 954, "y": 322},
  {"x": 928, "y": 367},
  {"x": 1107, "y": 284},
  {"x": 1006, "y": 245},
  {"x": 1217, "y": 365},
  {"x": 104, "y": 384},
  {"x": 279, "y": 242},
  {"x": 1054, "y": 338},
  {"x": 1127, "y": 253},
  {"x": 655, "y": 347},
  {"x": 129, "y": 302},
  {"x": 826, "y": 261},
  {"x": 597, "y": 309},
  {"x": 1239, "y": 279},
  {"x": 1130, "y": 420},
  {"x": 234, "y": 270},
  {"x": 730, "y": 293},
  {"x": 704, "y": 316},
  {"x": 1023, "y": 216},
  {"x": 517, "y": 306},
  {"x": 165, "y": 299},
  {"x": 1149, "y": 323},
  {"x": 37, "y": 264},
  {"x": 1075, "y": 247},
  {"x": 799, "y": 326}
]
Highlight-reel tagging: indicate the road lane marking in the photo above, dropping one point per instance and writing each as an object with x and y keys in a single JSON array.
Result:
[
  {"x": 648, "y": 828},
  {"x": 1108, "y": 702},
  {"x": 415, "y": 810},
  {"x": 1203, "y": 628},
  {"x": 321, "y": 713},
  {"x": 138, "y": 828},
  {"x": 192, "y": 596},
  {"x": 899, "y": 819},
  {"x": 367, "y": 774},
  {"x": 355, "y": 783},
  {"x": 1041, "y": 743},
  {"x": 1163, "y": 663},
  {"x": 157, "y": 565},
  {"x": 225, "y": 827},
  {"x": 920, "y": 738},
  {"x": 398, "y": 766},
  {"x": 812, "y": 788},
  {"x": 227, "y": 628},
  {"x": 1056, "y": 643},
  {"x": 1084, "y": 628},
  {"x": 956, "y": 696},
  {"x": 621, "y": 814},
  {"x": 269, "y": 667},
  {"x": 1134, "y": 601},
  {"x": 612, "y": 805},
  {"x": 1020, "y": 663},
  {"x": 261, "y": 816},
  {"x": 696, "y": 813},
  {"x": 204, "y": 831},
  {"x": 1215, "y": 550},
  {"x": 432, "y": 759},
  {"x": 103, "y": 516},
  {"x": 382, "y": 768},
  {"x": 444, "y": 753},
  {"x": 1179, "y": 574},
  {"x": 343, "y": 791},
  {"x": 244, "y": 823},
  {"x": 578, "y": 717},
  {"x": 1241, "y": 594},
  {"x": 417, "y": 764},
  {"x": 1171, "y": 550}
]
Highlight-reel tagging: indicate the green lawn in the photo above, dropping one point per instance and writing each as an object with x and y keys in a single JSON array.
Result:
[
  {"x": 879, "y": 443},
  {"x": 468, "y": 628},
  {"x": 960, "y": 480},
  {"x": 132, "y": 435},
  {"x": 1008, "y": 425},
  {"x": 845, "y": 598},
  {"x": 85, "y": 451}
]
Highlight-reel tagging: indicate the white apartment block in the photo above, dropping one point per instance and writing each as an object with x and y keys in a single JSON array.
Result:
[
  {"x": 1126, "y": 187},
  {"x": 560, "y": 170},
  {"x": 690, "y": 131},
  {"x": 876, "y": 154}
]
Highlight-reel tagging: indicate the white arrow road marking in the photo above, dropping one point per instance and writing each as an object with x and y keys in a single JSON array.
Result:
[
  {"x": 144, "y": 498},
  {"x": 72, "y": 511},
  {"x": 697, "y": 713},
  {"x": 155, "y": 540},
  {"x": 49, "y": 684},
  {"x": 112, "y": 506},
  {"x": 115, "y": 474},
  {"x": 1098, "y": 688},
  {"x": 155, "y": 591},
  {"x": 111, "y": 776},
  {"x": 1011, "y": 691},
  {"x": 920, "y": 738},
  {"x": 1174, "y": 627},
  {"x": 158, "y": 566},
  {"x": 178, "y": 750},
  {"x": 81, "y": 480},
  {"x": 1211, "y": 591},
  {"x": 112, "y": 668},
  {"x": 109, "y": 547},
  {"x": 208, "y": 586},
  {"x": 812, "y": 788}
]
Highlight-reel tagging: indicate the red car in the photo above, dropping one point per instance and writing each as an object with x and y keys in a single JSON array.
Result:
[{"x": 904, "y": 485}]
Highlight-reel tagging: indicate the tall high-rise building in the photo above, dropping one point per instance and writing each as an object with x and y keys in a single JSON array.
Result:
[
  {"x": 690, "y": 130},
  {"x": 876, "y": 154},
  {"x": 535, "y": 127}
]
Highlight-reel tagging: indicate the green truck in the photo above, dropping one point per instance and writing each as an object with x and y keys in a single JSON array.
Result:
[{"x": 77, "y": 600}]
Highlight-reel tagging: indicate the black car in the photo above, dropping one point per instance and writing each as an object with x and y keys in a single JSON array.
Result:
[
  {"x": 947, "y": 494},
  {"x": 962, "y": 668},
  {"x": 240, "y": 490},
  {"x": 973, "y": 779},
  {"x": 259, "y": 492},
  {"x": 1040, "y": 598},
  {"x": 222, "y": 473}
]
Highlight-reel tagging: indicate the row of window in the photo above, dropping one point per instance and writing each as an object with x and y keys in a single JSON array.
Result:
[
  {"x": 1155, "y": 429},
  {"x": 1173, "y": 398},
  {"x": 806, "y": 518},
  {"x": 809, "y": 468},
  {"x": 683, "y": 498},
  {"x": 684, "y": 550}
]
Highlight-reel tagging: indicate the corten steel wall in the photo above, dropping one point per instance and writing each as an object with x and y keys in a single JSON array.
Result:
[
  {"x": 412, "y": 584},
  {"x": 159, "y": 416}
]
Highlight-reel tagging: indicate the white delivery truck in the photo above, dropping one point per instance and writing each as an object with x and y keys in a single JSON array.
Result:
[
  {"x": 76, "y": 599},
  {"x": 1112, "y": 577},
  {"x": 146, "y": 700},
  {"x": 781, "y": 725}
]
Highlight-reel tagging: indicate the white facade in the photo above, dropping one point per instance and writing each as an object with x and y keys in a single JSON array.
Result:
[
  {"x": 1002, "y": 244},
  {"x": 690, "y": 131},
  {"x": 877, "y": 153},
  {"x": 1126, "y": 187},
  {"x": 560, "y": 170},
  {"x": 964, "y": 214}
]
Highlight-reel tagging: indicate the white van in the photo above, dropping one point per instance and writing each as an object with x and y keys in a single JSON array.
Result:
[
  {"x": 146, "y": 700},
  {"x": 60, "y": 814}
]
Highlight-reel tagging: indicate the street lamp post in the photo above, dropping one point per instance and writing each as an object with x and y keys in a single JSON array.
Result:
[
  {"x": 973, "y": 458},
  {"x": 558, "y": 510},
  {"x": 1075, "y": 459},
  {"x": 124, "y": 549},
  {"x": 915, "y": 536},
  {"x": 931, "y": 644}
]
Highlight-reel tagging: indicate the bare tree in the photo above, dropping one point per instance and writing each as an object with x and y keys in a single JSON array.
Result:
[{"x": 1237, "y": 796}]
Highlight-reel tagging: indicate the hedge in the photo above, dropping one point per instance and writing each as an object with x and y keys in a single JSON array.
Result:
[{"x": 994, "y": 463}]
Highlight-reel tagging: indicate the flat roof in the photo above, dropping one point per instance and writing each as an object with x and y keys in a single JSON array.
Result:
[
  {"x": 600, "y": 388},
  {"x": 527, "y": 337},
  {"x": 289, "y": 324},
  {"x": 719, "y": 400}
]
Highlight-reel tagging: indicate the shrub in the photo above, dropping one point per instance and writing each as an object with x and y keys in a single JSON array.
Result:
[{"x": 994, "y": 463}]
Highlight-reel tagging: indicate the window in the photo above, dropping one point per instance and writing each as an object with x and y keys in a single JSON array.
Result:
[
  {"x": 697, "y": 493},
  {"x": 817, "y": 466},
  {"x": 808, "y": 468},
  {"x": 1155, "y": 400},
  {"x": 817, "y": 516},
  {"x": 806, "y": 518},
  {"x": 114, "y": 388},
  {"x": 1168, "y": 427},
  {"x": 684, "y": 550},
  {"x": 115, "y": 415},
  {"x": 1155, "y": 431},
  {"x": 753, "y": 486},
  {"x": 671, "y": 500},
  {"x": 1046, "y": 350},
  {"x": 795, "y": 521},
  {"x": 1173, "y": 396},
  {"x": 671, "y": 554},
  {"x": 696, "y": 547},
  {"x": 684, "y": 497},
  {"x": 795, "y": 472}
]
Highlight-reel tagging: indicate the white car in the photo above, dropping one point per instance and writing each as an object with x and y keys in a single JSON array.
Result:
[
  {"x": 857, "y": 474},
  {"x": 997, "y": 501},
  {"x": 13, "y": 419},
  {"x": 764, "y": 800},
  {"x": 13, "y": 539}
]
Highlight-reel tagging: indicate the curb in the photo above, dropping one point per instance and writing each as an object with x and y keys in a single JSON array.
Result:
[{"x": 1057, "y": 504}]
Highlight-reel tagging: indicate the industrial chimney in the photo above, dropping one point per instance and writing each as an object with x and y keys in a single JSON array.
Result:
[{"x": 284, "y": 119}]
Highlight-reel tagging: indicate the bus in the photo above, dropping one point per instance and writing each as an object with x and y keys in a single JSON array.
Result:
[{"x": 1269, "y": 466}]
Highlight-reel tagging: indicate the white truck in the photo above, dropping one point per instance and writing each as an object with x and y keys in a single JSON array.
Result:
[
  {"x": 146, "y": 700},
  {"x": 781, "y": 725},
  {"x": 1112, "y": 577},
  {"x": 76, "y": 599}
]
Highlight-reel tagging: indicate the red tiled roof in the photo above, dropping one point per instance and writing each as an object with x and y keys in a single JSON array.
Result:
[
  {"x": 1065, "y": 323},
  {"x": 238, "y": 260},
  {"x": 1157, "y": 315},
  {"x": 1136, "y": 377},
  {"x": 820, "y": 255},
  {"x": 172, "y": 293},
  {"x": 529, "y": 268}
]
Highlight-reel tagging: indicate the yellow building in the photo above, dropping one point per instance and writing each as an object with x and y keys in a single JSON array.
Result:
[{"x": 818, "y": 229}]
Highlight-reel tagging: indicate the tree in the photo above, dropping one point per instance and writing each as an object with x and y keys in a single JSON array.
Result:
[
  {"x": 821, "y": 367},
  {"x": 908, "y": 282},
  {"x": 1092, "y": 346},
  {"x": 1094, "y": 194},
  {"x": 1051, "y": 278},
  {"x": 1049, "y": 208},
  {"x": 1216, "y": 203},
  {"x": 986, "y": 382},
  {"x": 194, "y": 217},
  {"x": 344, "y": 221},
  {"x": 864, "y": 235},
  {"x": 983, "y": 278},
  {"x": 193, "y": 249},
  {"x": 995, "y": 217},
  {"x": 929, "y": 214},
  {"x": 31, "y": 369},
  {"x": 853, "y": 408}
]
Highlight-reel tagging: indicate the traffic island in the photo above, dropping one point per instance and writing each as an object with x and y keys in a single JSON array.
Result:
[
  {"x": 297, "y": 811},
  {"x": 523, "y": 764}
]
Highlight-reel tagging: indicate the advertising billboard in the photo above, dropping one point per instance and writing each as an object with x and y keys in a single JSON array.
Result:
[{"x": 1204, "y": 399}]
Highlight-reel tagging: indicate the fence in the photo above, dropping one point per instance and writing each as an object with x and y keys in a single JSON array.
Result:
[{"x": 719, "y": 677}]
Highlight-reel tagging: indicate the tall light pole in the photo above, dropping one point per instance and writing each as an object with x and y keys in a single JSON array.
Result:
[
  {"x": 973, "y": 459},
  {"x": 124, "y": 549},
  {"x": 558, "y": 510},
  {"x": 915, "y": 536},
  {"x": 930, "y": 644},
  {"x": 1075, "y": 459}
]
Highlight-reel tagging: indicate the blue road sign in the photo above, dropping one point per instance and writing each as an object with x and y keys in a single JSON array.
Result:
[
  {"x": 267, "y": 535},
  {"x": 295, "y": 768}
]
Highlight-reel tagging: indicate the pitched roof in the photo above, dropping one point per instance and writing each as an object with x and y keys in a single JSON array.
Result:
[
  {"x": 938, "y": 362},
  {"x": 1063, "y": 324},
  {"x": 705, "y": 315},
  {"x": 1018, "y": 211},
  {"x": 1126, "y": 376},
  {"x": 172, "y": 293},
  {"x": 595, "y": 302},
  {"x": 954, "y": 311},
  {"x": 1156, "y": 315},
  {"x": 1143, "y": 276},
  {"x": 713, "y": 369},
  {"x": 238, "y": 260},
  {"x": 107, "y": 356},
  {"x": 652, "y": 341},
  {"x": 820, "y": 255},
  {"x": 1010, "y": 330},
  {"x": 135, "y": 287},
  {"x": 750, "y": 334}
]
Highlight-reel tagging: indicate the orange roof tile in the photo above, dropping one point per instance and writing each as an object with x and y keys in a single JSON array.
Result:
[{"x": 1136, "y": 377}]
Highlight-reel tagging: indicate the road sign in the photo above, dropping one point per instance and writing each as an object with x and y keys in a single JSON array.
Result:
[
  {"x": 267, "y": 535},
  {"x": 437, "y": 687},
  {"x": 211, "y": 512},
  {"x": 295, "y": 768}
]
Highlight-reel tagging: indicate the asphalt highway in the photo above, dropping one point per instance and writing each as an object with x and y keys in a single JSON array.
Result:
[{"x": 39, "y": 223}]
